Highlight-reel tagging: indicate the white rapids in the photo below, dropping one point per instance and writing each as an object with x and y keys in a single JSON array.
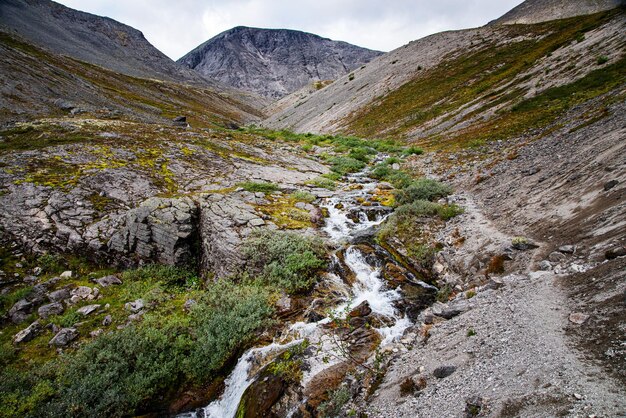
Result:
[{"x": 369, "y": 286}]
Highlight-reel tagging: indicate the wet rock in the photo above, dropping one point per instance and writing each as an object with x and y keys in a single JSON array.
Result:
[
  {"x": 610, "y": 184},
  {"x": 108, "y": 281},
  {"x": 160, "y": 230},
  {"x": 442, "y": 372},
  {"x": 55, "y": 308},
  {"x": 567, "y": 249},
  {"x": 615, "y": 252},
  {"x": 59, "y": 295},
  {"x": 361, "y": 311},
  {"x": 135, "y": 306},
  {"x": 64, "y": 337},
  {"x": 28, "y": 333},
  {"x": 578, "y": 318},
  {"x": 86, "y": 310}
]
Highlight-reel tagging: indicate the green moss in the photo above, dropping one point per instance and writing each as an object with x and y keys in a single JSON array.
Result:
[{"x": 254, "y": 186}]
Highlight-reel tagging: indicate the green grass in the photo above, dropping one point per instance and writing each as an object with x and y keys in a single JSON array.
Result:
[{"x": 254, "y": 186}]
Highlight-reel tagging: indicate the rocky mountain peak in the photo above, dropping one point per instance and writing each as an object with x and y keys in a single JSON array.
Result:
[{"x": 274, "y": 62}]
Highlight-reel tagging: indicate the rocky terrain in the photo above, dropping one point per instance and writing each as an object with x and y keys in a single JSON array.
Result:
[
  {"x": 449, "y": 240},
  {"x": 538, "y": 11},
  {"x": 274, "y": 62}
]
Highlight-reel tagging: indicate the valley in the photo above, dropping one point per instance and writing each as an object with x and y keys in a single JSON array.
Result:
[{"x": 434, "y": 231}]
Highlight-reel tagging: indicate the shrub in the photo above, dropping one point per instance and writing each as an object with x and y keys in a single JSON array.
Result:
[
  {"x": 336, "y": 401},
  {"x": 286, "y": 260},
  {"x": 345, "y": 165},
  {"x": 422, "y": 189},
  {"x": 302, "y": 196},
  {"x": 603, "y": 59},
  {"x": 323, "y": 182},
  {"x": 413, "y": 150},
  {"x": 253, "y": 186},
  {"x": 165, "y": 275}
]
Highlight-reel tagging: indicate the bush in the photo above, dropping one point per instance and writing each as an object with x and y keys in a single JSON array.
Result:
[
  {"x": 166, "y": 275},
  {"x": 323, "y": 182},
  {"x": 422, "y": 189},
  {"x": 302, "y": 196},
  {"x": 345, "y": 165},
  {"x": 603, "y": 59},
  {"x": 286, "y": 260},
  {"x": 413, "y": 150},
  {"x": 252, "y": 186},
  {"x": 337, "y": 399}
]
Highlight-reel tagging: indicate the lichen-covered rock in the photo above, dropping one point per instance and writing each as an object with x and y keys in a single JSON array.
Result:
[
  {"x": 55, "y": 308},
  {"x": 28, "y": 333},
  {"x": 160, "y": 230},
  {"x": 64, "y": 337}
]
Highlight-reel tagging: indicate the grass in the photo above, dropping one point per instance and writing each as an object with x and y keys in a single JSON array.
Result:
[{"x": 253, "y": 186}]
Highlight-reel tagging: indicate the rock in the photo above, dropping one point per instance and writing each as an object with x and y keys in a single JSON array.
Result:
[
  {"x": 523, "y": 244},
  {"x": 256, "y": 222},
  {"x": 108, "y": 281},
  {"x": 180, "y": 121},
  {"x": 567, "y": 249},
  {"x": 107, "y": 321},
  {"x": 28, "y": 333},
  {"x": 610, "y": 184},
  {"x": 438, "y": 268},
  {"x": 300, "y": 205},
  {"x": 64, "y": 337},
  {"x": 316, "y": 216},
  {"x": 20, "y": 311},
  {"x": 82, "y": 292},
  {"x": 578, "y": 318},
  {"x": 395, "y": 166},
  {"x": 473, "y": 406},
  {"x": 545, "y": 265},
  {"x": 55, "y": 308},
  {"x": 385, "y": 186},
  {"x": 362, "y": 310},
  {"x": 64, "y": 105},
  {"x": 442, "y": 372},
  {"x": 452, "y": 309},
  {"x": 30, "y": 279},
  {"x": 189, "y": 304},
  {"x": 531, "y": 171},
  {"x": 135, "y": 306},
  {"x": 495, "y": 283},
  {"x": 96, "y": 333},
  {"x": 615, "y": 252},
  {"x": 66, "y": 275},
  {"x": 37, "y": 271},
  {"x": 59, "y": 295},
  {"x": 75, "y": 299},
  {"x": 556, "y": 257},
  {"x": 86, "y": 310}
]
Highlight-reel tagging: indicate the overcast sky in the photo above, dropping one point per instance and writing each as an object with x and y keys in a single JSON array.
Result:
[{"x": 176, "y": 27}]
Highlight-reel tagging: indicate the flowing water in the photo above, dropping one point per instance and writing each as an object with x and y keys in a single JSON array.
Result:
[{"x": 348, "y": 221}]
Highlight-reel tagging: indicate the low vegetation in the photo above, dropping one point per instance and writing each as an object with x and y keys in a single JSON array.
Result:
[{"x": 253, "y": 186}]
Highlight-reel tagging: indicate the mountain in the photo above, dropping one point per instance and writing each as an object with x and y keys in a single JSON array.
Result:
[
  {"x": 459, "y": 85},
  {"x": 93, "y": 39},
  {"x": 537, "y": 11},
  {"x": 274, "y": 62}
]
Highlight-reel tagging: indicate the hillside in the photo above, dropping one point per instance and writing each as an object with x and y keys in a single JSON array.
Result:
[
  {"x": 537, "y": 11},
  {"x": 93, "y": 39},
  {"x": 274, "y": 62}
]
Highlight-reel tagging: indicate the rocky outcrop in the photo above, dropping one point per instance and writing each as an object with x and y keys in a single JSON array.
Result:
[
  {"x": 161, "y": 230},
  {"x": 274, "y": 62}
]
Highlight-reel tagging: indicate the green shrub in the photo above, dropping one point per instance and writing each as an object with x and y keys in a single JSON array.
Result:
[
  {"x": 603, "y": 59},
  {"x": 413, "y": 150},
  {"x": 345, "y": 165},
  {"x": 253, "y": 186},
  {"x": 51, "y": 263},
  {"x": 302, "y": 196},
  {"x": 337, "y": 399},
  {"x": 323, "y": 182},
  {"x": 422, "y": 189},
  {"x": 162, "y": 274},
  {"x": 286, "y": 260}
]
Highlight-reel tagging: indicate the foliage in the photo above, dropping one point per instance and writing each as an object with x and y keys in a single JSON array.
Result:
[
  {"x": 413, "y": 150},
  {"x": 345, "y": 165},
  {"x": 168, "y": 276},
  {"x": 422, "y": 189},
  {"x": 302, "y": 196},
  {"x": 253, "y": 186},
  {"x": 323, "y": 182},
  {"x": 602, "y": 59},
  {"x": 337, "y": 399},
  {"x": 286, "y": 260},
  {"x": 7, "y": 300}
]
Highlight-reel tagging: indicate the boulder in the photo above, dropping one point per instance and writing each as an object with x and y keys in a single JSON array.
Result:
[
  {"x": 316, "y": 216},
  {"x": 578, "y": 318},
  {"x": 442, "y": 372},
  {"x": 610, "y": 184},
  {"x": 28, "y": 333},
  {"x": 159, "y": 230},
  {"x": 135, "y": 306},
  {"x": 108, "y": 281},
  {"x": 86, "y": 310},
  {"x": 449, "y": 311},
  {"x": 567, "y": 249},
  {"x": 59, "y": 295},
  {"x": 66, "y": 275},
  {"x": 361, "y": 311},
  {"x": 107, "y": 321},
  {"x": 615, "y": 252},
  {"x": 83, "y": 292},
  {"x": 55, "y": 308},
  {"x": 556, "y": 257},
  {"x": 64, "y": 337},
  {"x": 20, "y": 311}
]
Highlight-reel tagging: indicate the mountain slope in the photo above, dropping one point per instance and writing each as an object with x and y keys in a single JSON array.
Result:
[
  {"x": 537, "y": 11},
  {"x": 457, "y": 86},
  {"x": 94, "y": 39},
  {"x": 274, "y": 62}
]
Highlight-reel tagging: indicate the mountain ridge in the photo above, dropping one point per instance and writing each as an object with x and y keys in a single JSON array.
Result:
[{"x": 274, "y": 62}]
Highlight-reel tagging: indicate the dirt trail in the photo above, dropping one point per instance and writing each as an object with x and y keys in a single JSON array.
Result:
[{"x": 510, "y": 350}]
